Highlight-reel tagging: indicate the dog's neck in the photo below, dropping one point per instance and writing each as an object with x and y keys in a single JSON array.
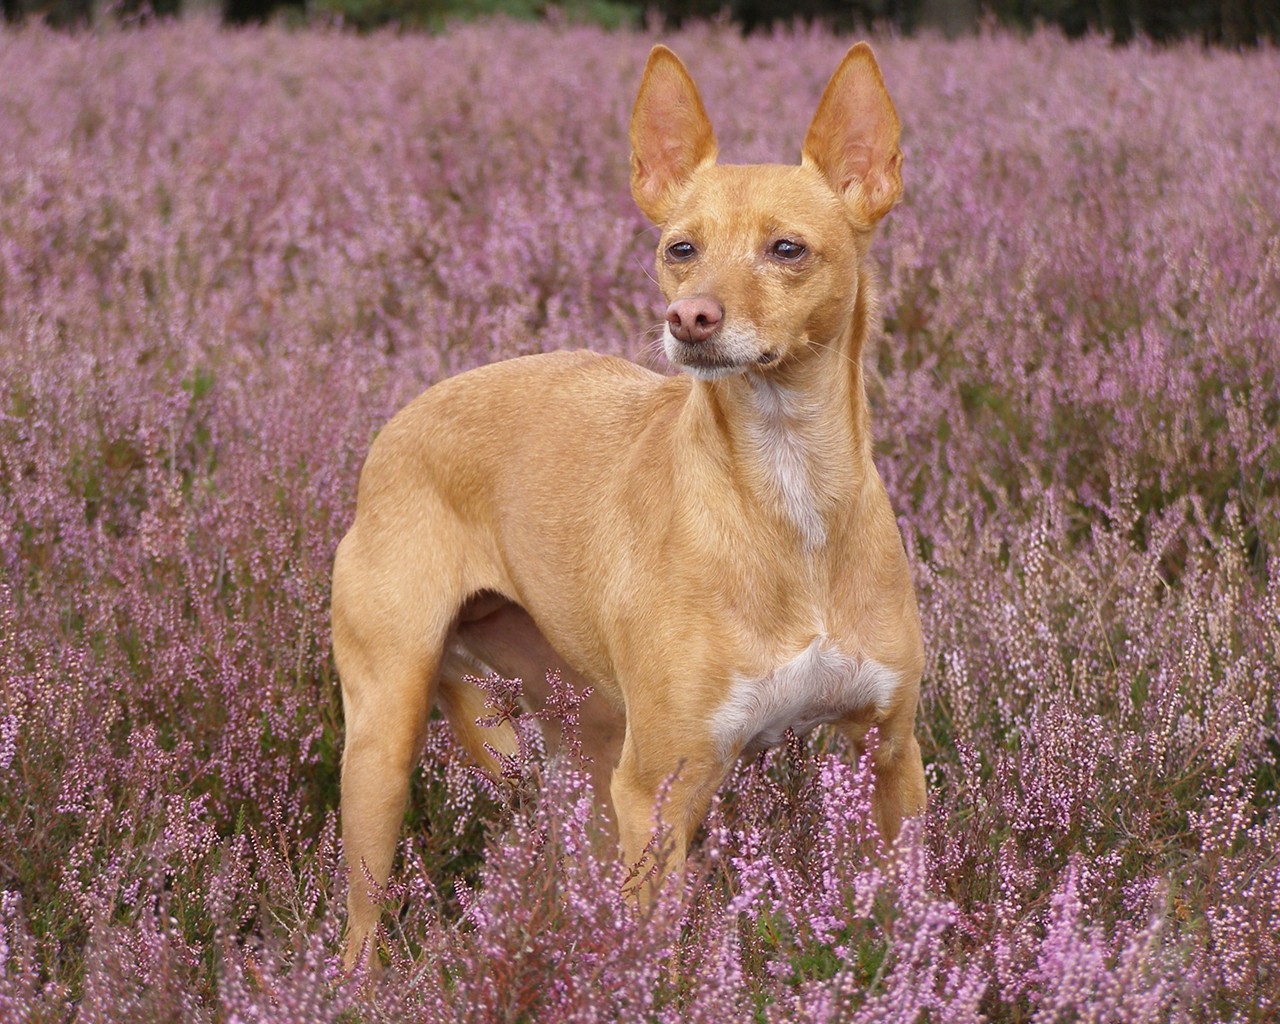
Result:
[{"x": 798, "y": 435}]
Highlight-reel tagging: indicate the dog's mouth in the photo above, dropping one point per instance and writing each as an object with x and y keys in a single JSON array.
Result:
[
  {"x": 708, "y": 366},
  {"x": 722, "y": 356}
]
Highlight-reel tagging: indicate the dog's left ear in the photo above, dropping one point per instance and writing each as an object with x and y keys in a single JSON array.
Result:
[{"x": 853, "y": 139}]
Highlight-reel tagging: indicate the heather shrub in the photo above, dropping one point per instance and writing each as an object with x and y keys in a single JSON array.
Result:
[{"x": 226, "y": 258}]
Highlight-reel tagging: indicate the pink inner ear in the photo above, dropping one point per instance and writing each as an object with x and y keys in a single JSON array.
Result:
[
  {"x": 668, "y": 154},
  {"x": 857, "y": 162},
  {"x": 867, "y": 138},
  {"x": 648, "y": 182}
]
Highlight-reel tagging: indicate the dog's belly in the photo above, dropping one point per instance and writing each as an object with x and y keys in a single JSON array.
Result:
[{"x": 818, "y": 686}]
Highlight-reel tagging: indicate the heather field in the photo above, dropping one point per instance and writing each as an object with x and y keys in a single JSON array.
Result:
[{"x": 227, "y": 257}]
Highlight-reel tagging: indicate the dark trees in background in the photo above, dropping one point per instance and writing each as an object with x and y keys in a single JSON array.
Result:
[
  {"x": 1223, "y": 22},
  {"x": 75, "y": 13},
  {"x": 1230, "y": 23}
]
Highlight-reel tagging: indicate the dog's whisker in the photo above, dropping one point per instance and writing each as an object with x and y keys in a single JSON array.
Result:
[
  {"x": 652, "y": 353},
  {"x": 831, "y": 348},
  {"x": 646, "y": 268}
]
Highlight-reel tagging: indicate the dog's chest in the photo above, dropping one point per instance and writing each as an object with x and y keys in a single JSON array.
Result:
[{"x": 817, "y": 686}]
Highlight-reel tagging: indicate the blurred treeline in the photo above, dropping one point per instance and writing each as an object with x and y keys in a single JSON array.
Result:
[{"x": 1230, "y": 23}]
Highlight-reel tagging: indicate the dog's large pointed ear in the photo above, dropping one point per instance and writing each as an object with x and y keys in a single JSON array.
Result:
[
  {"x": 671, "y": 136},
  {"x": 853, "y": 139}
]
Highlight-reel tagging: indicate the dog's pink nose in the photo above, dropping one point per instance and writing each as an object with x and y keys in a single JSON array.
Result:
[{"x": 695, "y": 319}]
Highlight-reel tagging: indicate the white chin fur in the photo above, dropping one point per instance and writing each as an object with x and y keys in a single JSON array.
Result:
[
  {"x": 710, "y": 372},
  {"x": 737, "y": 352}
]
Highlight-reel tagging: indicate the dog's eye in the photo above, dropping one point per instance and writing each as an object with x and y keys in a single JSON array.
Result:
[
  {"x": 786, "y": 249},
  {"x": 681, "y": 251}
]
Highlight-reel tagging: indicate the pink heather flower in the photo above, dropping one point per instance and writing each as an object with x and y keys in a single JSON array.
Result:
[{"x": 8, "y": 740}]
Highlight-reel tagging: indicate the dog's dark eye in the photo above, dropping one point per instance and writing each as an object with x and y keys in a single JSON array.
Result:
[
  {"x": 786, "y": 249},
  {"x": 681, "y": 251}
]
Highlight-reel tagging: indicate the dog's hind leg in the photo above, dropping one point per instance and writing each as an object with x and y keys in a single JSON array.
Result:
[
  {"x": 465, "y": 704},
  {"x": 497, "y": 635},
  {"x": 390, "y": 625}
]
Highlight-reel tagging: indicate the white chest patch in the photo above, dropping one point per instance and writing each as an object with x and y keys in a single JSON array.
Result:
[
  {"x": 777, "y": 437},
  {"x": 817, "y": 686}
]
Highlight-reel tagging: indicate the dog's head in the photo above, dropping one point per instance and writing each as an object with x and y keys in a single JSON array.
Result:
[{"x": 760, "y": 263}]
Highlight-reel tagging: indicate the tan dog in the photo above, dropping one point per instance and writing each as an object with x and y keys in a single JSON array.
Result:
[{"x": 713, "y": 552}]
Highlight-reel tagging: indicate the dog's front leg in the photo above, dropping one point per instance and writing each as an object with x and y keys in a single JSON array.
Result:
[
  {"x": 661, "y": 790},
  {"x": 899, "y": 770}
]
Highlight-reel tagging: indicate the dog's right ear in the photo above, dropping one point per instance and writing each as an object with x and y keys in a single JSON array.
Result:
[{"x": 671, "y": 136}]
